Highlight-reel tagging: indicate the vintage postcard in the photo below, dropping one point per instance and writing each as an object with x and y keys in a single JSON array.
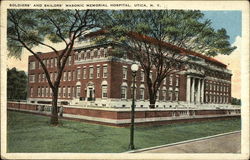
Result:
[{"x": 124, "y": 79}]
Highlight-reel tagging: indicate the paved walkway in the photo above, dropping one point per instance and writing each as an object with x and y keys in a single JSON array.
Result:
[{"x": 230, "y": 143}]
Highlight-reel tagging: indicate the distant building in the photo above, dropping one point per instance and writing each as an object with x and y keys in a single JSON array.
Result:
[{"x": 97, "y": 75}]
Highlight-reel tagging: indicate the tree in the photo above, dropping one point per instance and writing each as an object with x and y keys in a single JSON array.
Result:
[
  {"x": 236, "y": 101},
  {"x": 29, "y": 28},
  {"x": 16, "y": 84},
  {"x": 160, "y": 39}
]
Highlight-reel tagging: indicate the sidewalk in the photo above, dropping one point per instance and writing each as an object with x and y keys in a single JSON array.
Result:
[{"x": 227, "y": 143}]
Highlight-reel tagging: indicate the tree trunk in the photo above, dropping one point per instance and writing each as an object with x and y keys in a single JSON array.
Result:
[
  {"x": 54, "y": 115},
  {"x": 152, "y": 101}
]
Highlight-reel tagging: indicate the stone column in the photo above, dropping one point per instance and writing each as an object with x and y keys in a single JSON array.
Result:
[
  {"x": 199, "y": 91},
  {"x": 188, "y": 89},
  {"x": 192, "y": 91},
  {"x": 202, "y": 90}
]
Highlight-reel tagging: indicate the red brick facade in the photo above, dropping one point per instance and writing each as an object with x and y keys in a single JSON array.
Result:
[{"x": 97, "y": 75}]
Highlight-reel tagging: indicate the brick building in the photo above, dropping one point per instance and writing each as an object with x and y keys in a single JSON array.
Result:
[{"x": 97, "y": 75}]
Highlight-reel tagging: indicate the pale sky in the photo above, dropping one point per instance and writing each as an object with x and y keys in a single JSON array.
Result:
[{"x": 230, "y": 20}]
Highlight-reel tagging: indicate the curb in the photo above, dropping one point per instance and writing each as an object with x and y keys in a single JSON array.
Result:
[{"x": 182, "y": 142}]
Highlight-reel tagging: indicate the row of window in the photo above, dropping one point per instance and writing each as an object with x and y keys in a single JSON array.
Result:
[
  {"x": 49, "y": 63},
  {"x": 222, "y": 87},
  {"x": 73, "y": 75},
  {"x": 216, "y": 99},
  {"x": 91, "y": 54}
]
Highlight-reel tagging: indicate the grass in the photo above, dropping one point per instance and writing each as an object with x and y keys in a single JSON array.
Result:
[{"x": 32, "y": 133}]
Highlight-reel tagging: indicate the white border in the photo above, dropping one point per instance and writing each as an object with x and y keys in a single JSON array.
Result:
[{"x": 203, "y": 5}]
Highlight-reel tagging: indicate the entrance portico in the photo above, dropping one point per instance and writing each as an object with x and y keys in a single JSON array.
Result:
[{"x": 195, "y": 89}]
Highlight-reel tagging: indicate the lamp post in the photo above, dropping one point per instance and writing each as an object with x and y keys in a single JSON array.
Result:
[{"x": 134, "y": 68}]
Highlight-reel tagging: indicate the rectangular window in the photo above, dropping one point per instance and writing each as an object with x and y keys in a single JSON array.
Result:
[
  {"x": 64, "y": 76},
  {"x": 84, "y": 73},
  {"x": 73, "y": 92},
  {"x": 177, "y": 96},
  {"x": 55, "y": 76},
  {"x": 43, "y": 89},
  {"x": 105, "y": 71},
  {"x": 70, "y": 60},
  {"x": 104, "y": 92},
  {"x": 164, "y": 95},
  {"x": 38, "y": 92},
  {"x": 64, "y": 92},
  {"x": 91, "y": 73},
  {"x": 141, "y": 93},
  {"x": 151, "y": 75},
  {"x": 55, "y": 62},
  {"x": 170, "y": 95},
  {"x": 165, "y": 81},
  {"x": 92, "y": 54},
  {"x": 124, "y": 72},
  {"x": 47, "y": 89},
  {"x": 32, "y": 78},
  {"x": 177, "y": 80},
  {"x": 78, "y": 73},
  {"x": 32, "y": 65},
  {"x": 171, "y": 80},
  {"x": 98, "y": 72},
  {"x": 73, "y": 75},
  {"x": 69, "y": 75},
  {"x": 69, "y": 92},
  {"x": 51, "y": 93},
  {"x": 124, "y": 92},
  {"x": 142, "y": 75},
  {"x": 31, "y": 91},
  {"x": 78, "y": 91},
  {"x": 157, "y": 95}
]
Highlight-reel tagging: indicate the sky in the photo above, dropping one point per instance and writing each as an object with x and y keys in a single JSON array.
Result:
[{"x": 230, "y": 20}]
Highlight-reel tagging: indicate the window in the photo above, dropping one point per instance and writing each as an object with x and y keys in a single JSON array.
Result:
[
  {"x": 91, "y": 73},
  {"x": 65, "y": 76},
  {"x": 142, "y": 75},
  {"x": 124, "y": 72},
  {"x": 123, "y": 92},
  {"x": 84, "y": 73},
  {"x": 32, "y": 65},
  {"x": 47, "y": 89},
  {"x": 43, "y": 78},
  {"x": 64, "y": 92},
  {"x": 78, "y": 73},
  {"x": 59, "y": 92},
  {"x": 55, "y": 76},
  {"x": 55, "y": 62},
  {"x": 73, "y": 75},
  {"x": 69, "y": 92},
  {"x": 104, "y": 91},
  {"x": 164, "y": 95},
  {"x": 105, "y": 52},
  {"x": 177, "y": 80},
  {"x": 141, "y": 93},
  {"x": 171, "y": 80},
  {"x": 78, "y": 91},
  {"x": 170, "y": 95},
  {"x": 31, "y": 91},
  {"x": 51, "y": 76},
  {"x": 165, "y": 81},
  {"x": 69, "y": 60},
  {"x": 51, "y": 93},
  {"x": 98, "y": 72},
  {"x": 38, "y": 92},
  {"x": 73, "y": 91},
  {"x": 32, "y": 78},
  {"x": 105, "y": 71},
  {"x": 42, "y": 91},
  {"x": 176, "y": 95},
  {"x": 69, "y": 75}
]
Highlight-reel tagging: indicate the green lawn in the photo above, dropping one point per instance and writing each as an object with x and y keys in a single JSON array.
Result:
[{"x": 32, "y": 133}]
